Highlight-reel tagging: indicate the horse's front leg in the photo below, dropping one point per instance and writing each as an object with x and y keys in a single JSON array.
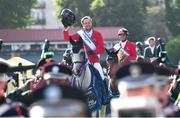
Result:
[
  {"x": 113, "y": 89},
  {"x": 102, "y": 111},
  {"x": 113, "y": 85}
]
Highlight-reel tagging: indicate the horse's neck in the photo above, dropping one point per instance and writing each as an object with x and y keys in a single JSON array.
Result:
[
  {"x": 112, "y": 63},
  {"x": 85, "y": 78}
]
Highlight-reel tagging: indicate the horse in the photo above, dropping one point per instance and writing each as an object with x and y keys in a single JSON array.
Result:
[
  {"x": 112, "y": 60},
  {"x": 87, "y": 78}
]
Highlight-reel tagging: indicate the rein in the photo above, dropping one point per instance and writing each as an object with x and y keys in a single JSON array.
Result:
[
  {"x": 77, "y": 62},
  {"x": 83, "y": 70}
]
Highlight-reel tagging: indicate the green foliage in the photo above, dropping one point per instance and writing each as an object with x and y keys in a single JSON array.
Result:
[
  {"x": 173, "y": 16},
  {"x": 173, "y": 48},
  {"x": 155, "y": 22},
  {"x": 127, "y": 13},
  {"x": 141, "y": 17},
  {"x": 15, "y": 13},
  {"x": 97, "y": 3},
  {"x": 153, "y": 10},
  {"x": 79, "y": 7}
]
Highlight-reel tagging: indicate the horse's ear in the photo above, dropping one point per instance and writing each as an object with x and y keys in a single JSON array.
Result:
[
  {"x": 80, "y": 41},
  {"x": 71, "y": 40},
  {"x": 107, "y": 51}
]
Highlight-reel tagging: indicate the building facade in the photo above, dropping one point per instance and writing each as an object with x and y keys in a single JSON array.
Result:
[
  {"x": 44, "y": 15},
  {"x": 30, "y": 42}
]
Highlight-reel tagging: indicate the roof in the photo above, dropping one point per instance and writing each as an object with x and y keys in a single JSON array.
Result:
[
  {"x": 16, "y": 60},
  {"x": 37, "y": 35},
  {"x": 5, "y": 61}
]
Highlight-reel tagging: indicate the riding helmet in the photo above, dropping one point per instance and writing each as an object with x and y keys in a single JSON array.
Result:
[{"x": 68, "y": 17}]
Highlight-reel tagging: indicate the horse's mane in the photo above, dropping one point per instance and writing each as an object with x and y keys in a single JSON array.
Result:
[{"x": 111, "y": 53}]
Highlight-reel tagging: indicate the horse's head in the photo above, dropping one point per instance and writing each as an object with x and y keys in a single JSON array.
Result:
[
  {"x": 112, "y": 57},
  {"x": 78, "y": 55},
  {"x": 67, "y": 57}
]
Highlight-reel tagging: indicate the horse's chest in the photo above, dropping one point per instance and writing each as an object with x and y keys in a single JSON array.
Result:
[
  {"x": 92, "y": 97},
  {"x": 86, "y": 79},
  {"x": 87, "y": 82}
]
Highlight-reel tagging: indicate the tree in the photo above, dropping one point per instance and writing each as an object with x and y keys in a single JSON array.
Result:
[
  {"x": 15, "y": 13},
  {"x": 127, "y": 13},
  {"x": 173, "y": 16},
  {"x": 173, "y": 47},
  {"x": 79, "y": 7},
  {"x": 155, "y": 22}
]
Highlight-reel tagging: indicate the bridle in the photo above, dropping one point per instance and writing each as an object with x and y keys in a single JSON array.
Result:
[{"x": 82, "y": 71}]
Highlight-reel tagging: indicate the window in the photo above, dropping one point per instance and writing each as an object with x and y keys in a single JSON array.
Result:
[
  {"x": 62, "y": 46},
  {"x": 52, "y": 47},
  {"x": 6, "y": 48},
  {"x": 41, "y": 4},
  {"x": 35, "y": 47}
]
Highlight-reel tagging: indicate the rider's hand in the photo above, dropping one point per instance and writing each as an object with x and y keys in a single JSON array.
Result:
[{"x": 66, "y": 28}]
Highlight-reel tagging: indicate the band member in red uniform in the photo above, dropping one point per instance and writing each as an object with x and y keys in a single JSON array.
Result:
[
  {"x": 127, "y": 49},
  {"x": 96, "y": 45}
]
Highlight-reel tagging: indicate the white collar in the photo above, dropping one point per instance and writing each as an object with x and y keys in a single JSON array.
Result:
[
  {"x": 90, "y": 33},
  {"x": 123, "y": 43},
  {"x": 152, "y": 47}
]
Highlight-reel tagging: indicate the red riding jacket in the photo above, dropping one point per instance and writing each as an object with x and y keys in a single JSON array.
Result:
[
  {"x": 97, "y": 39},
  {"x": 130, "y": 48}
]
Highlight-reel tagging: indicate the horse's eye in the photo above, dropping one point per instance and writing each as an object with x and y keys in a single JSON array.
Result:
[{"x": 82, "y": 53}]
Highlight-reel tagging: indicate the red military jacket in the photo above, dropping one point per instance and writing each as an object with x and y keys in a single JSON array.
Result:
[
  {"x": 130, "y": 48},
  {"x": 98, "y": 41}
]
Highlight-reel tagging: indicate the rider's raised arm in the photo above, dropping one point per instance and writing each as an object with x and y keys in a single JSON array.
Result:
[{"x": 67, "y": 35}]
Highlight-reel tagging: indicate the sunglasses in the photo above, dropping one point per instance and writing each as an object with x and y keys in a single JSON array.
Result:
[{"x": 120, "y": 34}]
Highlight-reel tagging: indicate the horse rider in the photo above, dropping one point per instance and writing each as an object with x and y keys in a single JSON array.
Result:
[
  {"x": 150, "y": 52},
  {"x": 127, "y": 49},
  {"x": 95, "y": 44}
]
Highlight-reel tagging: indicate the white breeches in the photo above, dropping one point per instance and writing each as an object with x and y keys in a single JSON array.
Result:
[{"x": 99, "y": 68}]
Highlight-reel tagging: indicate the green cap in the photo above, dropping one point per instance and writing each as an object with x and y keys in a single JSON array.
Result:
[{"x": 48, "y": 55}]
